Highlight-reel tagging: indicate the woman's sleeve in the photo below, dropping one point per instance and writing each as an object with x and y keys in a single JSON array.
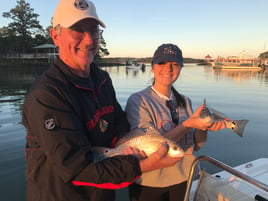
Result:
[{"x": 138, "y": 113}]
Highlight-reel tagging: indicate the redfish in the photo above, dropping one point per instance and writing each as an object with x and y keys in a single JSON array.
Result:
[
  {"x": 146, "y": 139},
  {"x": 209, "y": 114}
]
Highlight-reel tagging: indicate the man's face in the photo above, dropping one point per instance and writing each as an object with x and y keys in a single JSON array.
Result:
[{"x": 78, "y": 44}]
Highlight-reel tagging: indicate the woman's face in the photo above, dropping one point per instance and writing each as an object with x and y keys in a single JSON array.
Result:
[{"x": 166, "y": 73}]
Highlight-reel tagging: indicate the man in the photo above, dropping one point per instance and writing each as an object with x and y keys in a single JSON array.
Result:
[{"x": 73, "y": 107}]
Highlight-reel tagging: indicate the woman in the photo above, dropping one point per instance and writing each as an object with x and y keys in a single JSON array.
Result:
[{"x": 171, "y": 113}]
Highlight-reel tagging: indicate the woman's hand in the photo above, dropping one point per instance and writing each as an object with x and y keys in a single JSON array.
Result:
[
  {"x": 217, "y": 126},
  {"x": 194, "y": 121}
]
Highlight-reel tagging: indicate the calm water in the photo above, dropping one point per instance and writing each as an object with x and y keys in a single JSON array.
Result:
[{"x": 238, "y": 94}]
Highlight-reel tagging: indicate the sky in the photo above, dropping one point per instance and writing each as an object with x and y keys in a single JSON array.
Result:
[{"x": 135, "y": 28}]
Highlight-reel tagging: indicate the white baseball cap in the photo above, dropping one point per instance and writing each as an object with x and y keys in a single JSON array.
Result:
[{"x": 69, "y": 12}]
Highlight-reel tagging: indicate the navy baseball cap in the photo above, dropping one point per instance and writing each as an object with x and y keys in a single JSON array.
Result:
[{"x": 168, "y": 52}]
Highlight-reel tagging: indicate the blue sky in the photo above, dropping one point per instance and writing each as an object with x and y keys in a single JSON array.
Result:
[{"x": 136, "y": 28}]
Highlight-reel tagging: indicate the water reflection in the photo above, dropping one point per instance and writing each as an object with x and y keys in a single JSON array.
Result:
[
  {"x": 241, "y": 75},
  {"x": 134, "y": 71},
  {"x": 15, "y": 81},
  {"x": 263, "y": 77}
]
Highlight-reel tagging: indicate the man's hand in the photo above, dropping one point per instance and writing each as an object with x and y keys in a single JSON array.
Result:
[
  {"x": 158, "y": 159},
  {"x": 140, "y": 154}
]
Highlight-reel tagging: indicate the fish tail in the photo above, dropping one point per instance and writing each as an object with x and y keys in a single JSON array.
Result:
[{"x": 237, "y": 126}]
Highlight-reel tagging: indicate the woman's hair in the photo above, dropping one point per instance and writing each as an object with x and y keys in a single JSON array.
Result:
[{"x": 179, "y": 98}]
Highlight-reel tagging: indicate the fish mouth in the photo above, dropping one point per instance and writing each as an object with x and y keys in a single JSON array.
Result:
[{"x": 175, "y": 152}]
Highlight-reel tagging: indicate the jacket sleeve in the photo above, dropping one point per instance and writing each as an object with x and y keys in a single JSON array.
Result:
[{"x": 56, "y": 134}]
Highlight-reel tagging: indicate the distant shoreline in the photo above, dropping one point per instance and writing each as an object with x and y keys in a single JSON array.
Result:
[{"x": 119, "y": 61}]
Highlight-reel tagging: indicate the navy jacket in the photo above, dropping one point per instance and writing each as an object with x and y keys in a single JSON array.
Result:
[{"x": 62, "y": 114}]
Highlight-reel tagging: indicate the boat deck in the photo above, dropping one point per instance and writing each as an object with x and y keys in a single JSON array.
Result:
[{"x": 225, "y": 186}]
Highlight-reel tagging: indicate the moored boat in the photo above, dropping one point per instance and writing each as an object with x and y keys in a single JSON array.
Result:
[
  {"x": 133, "y": 65},
  {"x": 234, "y": 62}
]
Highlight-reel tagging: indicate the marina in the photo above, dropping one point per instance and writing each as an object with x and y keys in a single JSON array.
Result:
[{"x": 241, "y": 62}]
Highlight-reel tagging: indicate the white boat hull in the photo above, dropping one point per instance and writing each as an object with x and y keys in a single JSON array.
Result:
[
  {"x": 135, "y": 67},
  {"x": 239, "y": 67},
  {"x": 224, "y": 186}
]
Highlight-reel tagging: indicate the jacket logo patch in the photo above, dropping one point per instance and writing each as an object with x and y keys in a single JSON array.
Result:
[
  {"x": 50, "y": 124},
  {"x": 99, "y": 113},
  {"x": 103, "y": 125}
]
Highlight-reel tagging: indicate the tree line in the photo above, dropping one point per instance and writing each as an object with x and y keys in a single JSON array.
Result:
[{"x": 25, "y": 32}]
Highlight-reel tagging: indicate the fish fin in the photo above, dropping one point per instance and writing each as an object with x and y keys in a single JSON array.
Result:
[
  {"x": 205, "y": 102},
  {"x": 239, "y": 126},
  {"x": 150, "y": 129},
  {"x": 147, "y": 129},
  {"x": 217, "y": 113},
  {"x": 213, "y": 111}
]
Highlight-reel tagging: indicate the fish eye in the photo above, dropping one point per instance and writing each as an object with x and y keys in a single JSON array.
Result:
[
  {"x": 106, "y": 151},
  {"x": 175, "y": 147},
  {"x": 233, "y": 125}
]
